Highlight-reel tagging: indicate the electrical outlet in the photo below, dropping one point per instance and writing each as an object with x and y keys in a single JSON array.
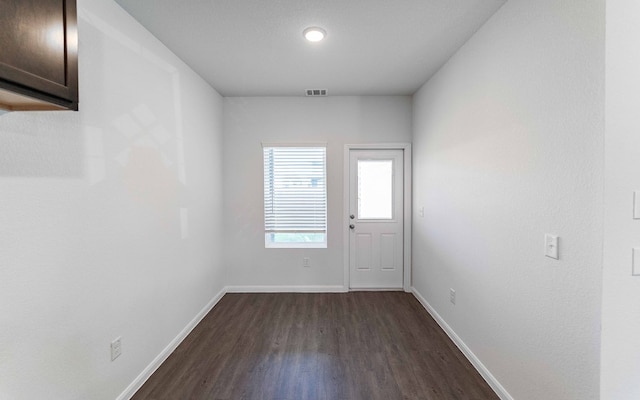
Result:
[
  {"x": 452, "y": 296},
  {"x": 306, "y": 262},
  {"x": 116, "y": 348}
]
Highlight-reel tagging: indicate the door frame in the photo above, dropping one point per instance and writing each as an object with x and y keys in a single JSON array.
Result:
[{"x": 406, "y": 153}]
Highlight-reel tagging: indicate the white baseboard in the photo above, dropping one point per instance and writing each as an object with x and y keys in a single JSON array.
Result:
[
  {"x": 491, "y": 380},
  {"x": 286, "y": 289},
  {"x": 164, "y": 354}
]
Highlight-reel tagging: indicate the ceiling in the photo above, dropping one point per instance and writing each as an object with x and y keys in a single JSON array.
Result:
[{"x": 256, "y": 48}]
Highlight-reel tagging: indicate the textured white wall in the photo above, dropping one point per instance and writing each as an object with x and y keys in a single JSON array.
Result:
[
  {"x": 621, "y": 291},
  {"x": 335, "y": 121},
  {"x": 91, "y": 242},
  {"x": 508, "y": 146}
]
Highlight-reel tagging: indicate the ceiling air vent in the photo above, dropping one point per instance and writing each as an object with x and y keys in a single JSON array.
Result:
[{"x": 316, "y": 92}]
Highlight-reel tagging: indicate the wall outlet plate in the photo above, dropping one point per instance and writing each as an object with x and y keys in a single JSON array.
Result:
[{"x": 452, "y": 296}]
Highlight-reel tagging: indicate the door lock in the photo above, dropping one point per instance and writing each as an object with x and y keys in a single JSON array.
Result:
[{"x": 352, "y": 216}]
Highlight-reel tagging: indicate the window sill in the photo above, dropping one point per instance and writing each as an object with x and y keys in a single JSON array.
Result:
[{"x": 271, "y": 245}]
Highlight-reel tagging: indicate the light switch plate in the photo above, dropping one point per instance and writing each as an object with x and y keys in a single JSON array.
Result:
[
  {"x": 116, "y": 348},
  {"x": 635, "y": 262},
  {"x": 551, "y": 246},
  {"x": 636, "y": 204}
]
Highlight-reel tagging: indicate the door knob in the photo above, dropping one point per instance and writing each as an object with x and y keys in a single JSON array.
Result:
[{"x": 352, "y": 226}]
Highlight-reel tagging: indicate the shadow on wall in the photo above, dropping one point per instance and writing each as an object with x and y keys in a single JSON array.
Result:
[
  {"x": 126, "y": 132},
  {"x": 41, "y": 144}
]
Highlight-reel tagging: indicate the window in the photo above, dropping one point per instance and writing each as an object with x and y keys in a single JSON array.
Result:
[
  {"x": 375, "y": 189},
  {"x": 295, "y": 197}
]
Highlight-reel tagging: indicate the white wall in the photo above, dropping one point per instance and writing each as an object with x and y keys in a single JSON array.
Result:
[
  {"x": 335, "y": 121},
  {"x": 91, "y": 240},
  {"x": 508, "y": 146},
  {"x": 621, "y": 291}
]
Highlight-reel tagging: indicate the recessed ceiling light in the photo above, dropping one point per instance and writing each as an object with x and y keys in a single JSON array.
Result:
[{"x": 314, "y": 34}]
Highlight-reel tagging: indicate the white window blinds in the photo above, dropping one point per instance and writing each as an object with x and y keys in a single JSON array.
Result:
[{"x": 295, "y": 195}]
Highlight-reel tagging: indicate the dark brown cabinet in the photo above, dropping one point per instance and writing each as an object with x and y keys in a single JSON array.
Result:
[{"x": 38, "y": 55}]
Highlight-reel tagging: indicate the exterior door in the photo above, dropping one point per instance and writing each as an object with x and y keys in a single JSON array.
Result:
[{"x": 376, "y": 240}]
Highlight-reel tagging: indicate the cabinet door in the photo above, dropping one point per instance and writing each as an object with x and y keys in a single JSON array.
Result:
[{"x": 38, "y": 50}]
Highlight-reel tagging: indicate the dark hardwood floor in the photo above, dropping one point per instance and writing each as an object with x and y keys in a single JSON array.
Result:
[{"x": 346, "y": 346}]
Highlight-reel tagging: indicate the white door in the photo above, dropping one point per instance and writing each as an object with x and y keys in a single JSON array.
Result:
[{"x": 376, "y": 219}]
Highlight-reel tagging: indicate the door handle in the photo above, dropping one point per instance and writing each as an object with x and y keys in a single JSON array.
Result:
[{"x": 352, "y": 226}]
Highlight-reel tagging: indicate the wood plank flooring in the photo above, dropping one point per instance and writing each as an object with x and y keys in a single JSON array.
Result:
[{"x": 338, "y": 346}]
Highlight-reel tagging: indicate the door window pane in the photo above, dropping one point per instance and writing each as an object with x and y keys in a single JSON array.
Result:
[{"x": 375, "y": 189}]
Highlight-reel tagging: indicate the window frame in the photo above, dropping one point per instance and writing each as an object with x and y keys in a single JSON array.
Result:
[{"x": 268, "y": 233}]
